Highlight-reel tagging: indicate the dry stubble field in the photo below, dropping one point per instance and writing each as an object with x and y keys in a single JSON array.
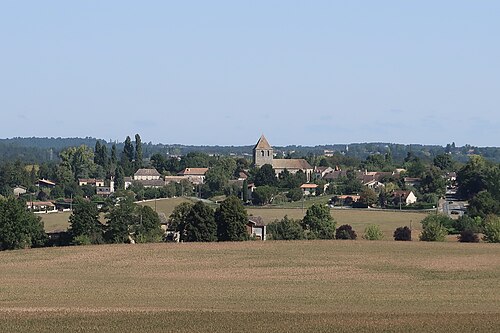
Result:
[{"x": 301, "y": 286}]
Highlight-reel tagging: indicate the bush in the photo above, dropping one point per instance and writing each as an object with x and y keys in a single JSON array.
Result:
[
  {"x": 433, "y": 231},
  {"x": 295, "y": 194},
  {"x": 318, "y": 223},
  {"x": 442, "y": 220},
  {"x": 81, "y": 240},
  {"x": 467, "y": 223},
  {"x": 492, "y": 229},
  {"x": 402, "y": 234},
  {"x": 468, "y": 236},
  {"x": 373, "y": 232},
  {"x": 345, "y": 232}
]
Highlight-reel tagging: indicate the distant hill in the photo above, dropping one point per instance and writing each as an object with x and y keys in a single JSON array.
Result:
[{"x": 38, "y": 150}]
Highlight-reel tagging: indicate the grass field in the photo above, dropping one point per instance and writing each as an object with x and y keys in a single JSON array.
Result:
[{"x": 302, "y": 286}]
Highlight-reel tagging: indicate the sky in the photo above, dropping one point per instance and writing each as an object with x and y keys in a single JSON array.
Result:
[{"x": 225, "y": 72}]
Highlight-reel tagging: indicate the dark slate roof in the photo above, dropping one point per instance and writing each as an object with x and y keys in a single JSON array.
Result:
[{"x": 147, "y": 172}]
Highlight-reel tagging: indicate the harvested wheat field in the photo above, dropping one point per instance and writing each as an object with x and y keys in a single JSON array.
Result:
[{"x": 299, "y": 286}]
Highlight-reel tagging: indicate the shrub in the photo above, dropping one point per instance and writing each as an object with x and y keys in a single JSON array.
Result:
[
  {"x": 318, "y": 223},
  {"x": 468, "y": 236},
  {"x": 492, "y": 229},
  {"x": 433, "y": 231},
  {"x": 467, "y": 223},
  {"x": 440, "y": 219},
  {"x": 81, "y": 240},
  {"x": 295, "y": 194},
  {"x": 345, "y": 232},
  {"x": 373, "y": 232},
  {"x": 402, "y": 234}
]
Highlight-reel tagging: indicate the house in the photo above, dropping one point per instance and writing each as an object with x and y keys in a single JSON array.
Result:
[
  {"x": 410, "y": 181},
  {"x": 106, "y": 191},
  {"x": 263, "y": 154},
  {"x": 345, "y": 199},
  {"x": 90, "y": 181},
  {"x": 19, "y": 190},
  {"x": 147, "y": 174},
  {"x": 194, "y": 175},
  {"x": 401, "y": 196},
  {"x": 320, "y": 172},
  {"x": 309, "y": 189},
  {"x": 374, "y": 184},
  {"x": 41, "y": 206},
  {"x": 256, "y": 227},
  {"x": 45, "y": 183},
  {"x": 146, "y": 177},
  {"x": 242, "y": 175}
]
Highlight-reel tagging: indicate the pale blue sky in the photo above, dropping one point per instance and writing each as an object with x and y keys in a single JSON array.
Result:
[{"x": 223, "y": 72}]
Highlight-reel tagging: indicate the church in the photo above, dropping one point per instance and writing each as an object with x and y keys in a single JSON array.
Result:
[{"x": 263, "y": 154}]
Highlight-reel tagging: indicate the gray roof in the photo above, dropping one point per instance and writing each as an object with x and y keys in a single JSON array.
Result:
[{"x": 147, "y": 172}]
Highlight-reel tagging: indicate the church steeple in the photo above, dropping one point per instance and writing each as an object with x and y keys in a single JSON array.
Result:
[{"x": 262, "y": 152}]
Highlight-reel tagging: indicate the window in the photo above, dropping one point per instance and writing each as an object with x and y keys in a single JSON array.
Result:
[{"x": 262, "y": 153}]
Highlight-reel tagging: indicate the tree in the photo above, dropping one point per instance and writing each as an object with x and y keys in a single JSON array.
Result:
[
  {"x": 265, "y": 176},
  {"x": 231, "y": 218},
  {"x": 19, "y": 228},
  {"x": 402, "y": 234},
  {"x": 483, "y": 204},
  {"x": 138, "y": 151},
  {"x": 200, "y": 224},
  {"x": 121, "y": 218},
  {"x": 471, "y": 178},
  {"x": 433, "y": 182},
  {"x": 244, "y": 191},
  {"x": 466, "y": 222},
  {"x": 492, "y": 229},
  {"x": 318, "y": 223},
  {"x": 345, "y": 232},
  {"x": 368, "y": 197},
  {"x": 127, "y": 157},
  {"x": 285, "y": 229},
  {"x": 373, "y": 232},
  {"x": 295, "y": 194},
  {"x": 178, "y": 219},
  {"x": 433, "y": 230},
  {"x": 444, "y": 162},
  {"x": 148, "y": 227},
  {"x": 216, "y": 180},
  {"x": 263, "y": 195},
  {"x": 85, "y": 227}
]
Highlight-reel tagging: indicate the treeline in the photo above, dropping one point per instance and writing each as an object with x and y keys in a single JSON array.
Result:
[{"x": 37, "y": 150}]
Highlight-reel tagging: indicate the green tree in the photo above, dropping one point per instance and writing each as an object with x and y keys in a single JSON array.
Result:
[
  {"x": 127, "y": 157},
  {"x": 200, "y": 224},
  {"x": 295, "y": 194},
  {"x": 84, "y": 223},
  {"x": 138, "y": 152},
  {"x": 444, "y": 162},
  {"x": 492, "y": 229},
  {"x": 471, "y": 178},
  {"x": 231, "y": 218},
  {"x": 285, "y": 229},
  {"x": 121, "y": 219},
  {"x": 178, "y": 218},
  {"x": 216, "y": 180},
  {"x": 148, "y": 227},
  {"x": 19, "y": 228},
  {"x": 265, "y": 176},
  {"x": 78, "y": 160},
  {"x": 368, "y": 197},
  {"x": 483, "y": 204},
  {"x": 263, "y": 195},
  {"x": 318, "y": 222},
  {"x": 244, "y": 190},
  {"x": 373, "y": 232}
]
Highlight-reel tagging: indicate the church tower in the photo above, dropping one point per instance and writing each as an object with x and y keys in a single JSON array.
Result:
[{"x": 262, "y": 152}]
